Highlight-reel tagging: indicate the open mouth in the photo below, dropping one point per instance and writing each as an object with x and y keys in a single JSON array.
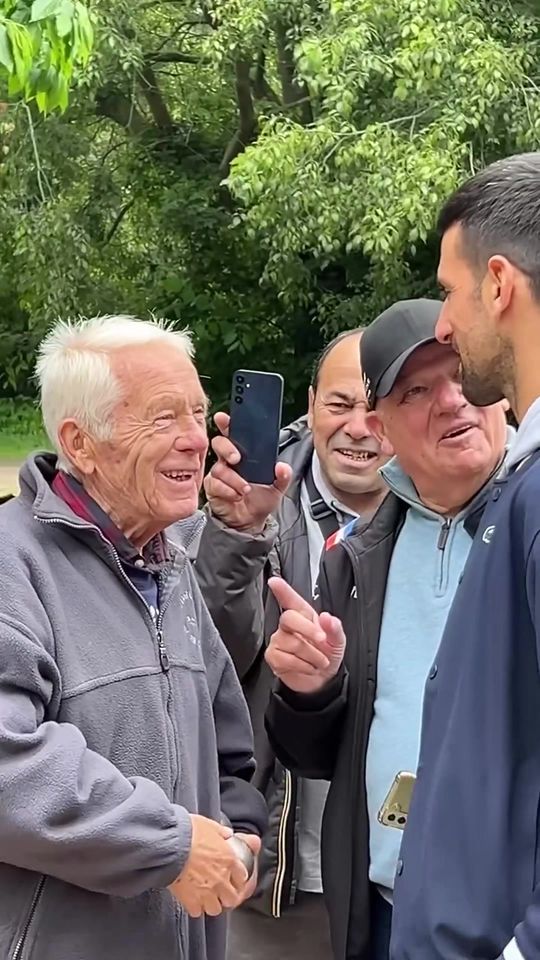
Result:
[
  {"x": 459, "y": 432},
  {"x": 178, "y": 476},
  {"x": 357, "y": 456}
]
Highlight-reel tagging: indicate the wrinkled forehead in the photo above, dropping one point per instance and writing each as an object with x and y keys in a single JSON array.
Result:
[
  {"x": 153, "y": 372},
  {"x": 430, "y": 360}
]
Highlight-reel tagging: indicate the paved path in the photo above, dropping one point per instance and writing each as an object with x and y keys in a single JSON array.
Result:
[{"x": 9, "y": 473}]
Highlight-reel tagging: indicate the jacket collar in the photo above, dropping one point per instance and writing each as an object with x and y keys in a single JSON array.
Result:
[
  {"x": 296, "y": 449},
  {"x": 35, "y": 479}
]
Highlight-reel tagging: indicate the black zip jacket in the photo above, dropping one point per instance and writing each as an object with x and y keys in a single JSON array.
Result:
[{"x": 325, "y": 735}]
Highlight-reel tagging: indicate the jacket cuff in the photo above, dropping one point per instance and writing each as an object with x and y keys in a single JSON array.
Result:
[
  {"x": 314, "y": 702},
  {"x": 185, "y": 834},
  {"x": 266, "y": 537}
]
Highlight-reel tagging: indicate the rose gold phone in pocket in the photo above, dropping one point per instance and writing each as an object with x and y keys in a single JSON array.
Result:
[{"x": 395, "y": 809}]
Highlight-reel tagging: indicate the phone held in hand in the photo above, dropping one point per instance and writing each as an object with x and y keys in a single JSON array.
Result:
[
  {"x": 395, "y": 809},
  {"x": 256, "y": 407}
]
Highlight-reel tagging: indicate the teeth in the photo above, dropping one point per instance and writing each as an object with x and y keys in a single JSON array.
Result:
[
  {"x": 357, "y": 454},
  {"x": 177, "y": 475}
]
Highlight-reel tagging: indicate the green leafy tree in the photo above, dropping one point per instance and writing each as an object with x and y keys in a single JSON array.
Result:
[
  {"x": 265, "y": 172},
  {"x": 41, "y": 43},
  {"x": 405, "y": 99}
]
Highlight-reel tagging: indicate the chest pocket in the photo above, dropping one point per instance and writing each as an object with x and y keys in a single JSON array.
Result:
[{"x": 181, "y": 634}]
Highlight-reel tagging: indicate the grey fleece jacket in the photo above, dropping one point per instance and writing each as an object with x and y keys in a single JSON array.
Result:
[{"x": 103, "y": 751}]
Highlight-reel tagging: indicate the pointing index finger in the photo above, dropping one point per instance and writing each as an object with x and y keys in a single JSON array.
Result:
[{"x": 289, "y": 599}]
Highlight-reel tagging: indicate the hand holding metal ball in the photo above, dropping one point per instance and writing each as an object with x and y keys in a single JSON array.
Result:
[{"x": 243, "y": 852}]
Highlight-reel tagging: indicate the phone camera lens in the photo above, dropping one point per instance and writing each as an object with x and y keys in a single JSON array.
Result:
[
  {"x": 239, "y": 389},
  {"x": 238, "y": 400},
  {"x": 239, "y": 379}
]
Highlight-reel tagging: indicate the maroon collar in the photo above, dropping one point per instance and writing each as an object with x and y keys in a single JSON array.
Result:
[{"x": 155, "y": 553}]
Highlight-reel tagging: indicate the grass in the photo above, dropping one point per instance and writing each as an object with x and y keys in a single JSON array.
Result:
[{"x": 21, "y": 430}]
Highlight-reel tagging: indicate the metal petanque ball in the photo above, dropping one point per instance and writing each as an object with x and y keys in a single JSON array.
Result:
[{"x": 243, "y": 852}]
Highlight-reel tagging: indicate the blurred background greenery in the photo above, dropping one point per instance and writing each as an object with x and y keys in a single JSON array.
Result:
[{"x": 264, "y": 172}]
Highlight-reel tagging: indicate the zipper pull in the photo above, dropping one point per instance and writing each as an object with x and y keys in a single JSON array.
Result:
[
  {"x": 443, "y": 535},
  {"x": 163, "y": 655}
]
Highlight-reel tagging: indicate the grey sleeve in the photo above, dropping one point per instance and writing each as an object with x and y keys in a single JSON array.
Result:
[
  {"x": 67, "y": 811},
  {"x": 231, "y": 570}
]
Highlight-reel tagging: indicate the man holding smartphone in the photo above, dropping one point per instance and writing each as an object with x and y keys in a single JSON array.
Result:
[{"x": 333, "y": 461}]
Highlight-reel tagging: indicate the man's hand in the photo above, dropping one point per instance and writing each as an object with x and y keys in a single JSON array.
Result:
[
  {"x": 236, "y": 503},
  {"x": 307, "y": 649},
  {"x": 213, "y": 877}
]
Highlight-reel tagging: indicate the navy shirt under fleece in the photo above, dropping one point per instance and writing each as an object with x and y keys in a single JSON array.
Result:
[{"x": 468, "y": 878}]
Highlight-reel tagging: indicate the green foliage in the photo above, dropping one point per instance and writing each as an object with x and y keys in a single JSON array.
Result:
[
  {"x": 265, "y": 172},
  {"x": 21, "y": 429},
  {"x": 41, "y": 42},
  {"x": 410, "y": 97}
]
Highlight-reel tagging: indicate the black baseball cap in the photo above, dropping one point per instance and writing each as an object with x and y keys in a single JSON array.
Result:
[{"x": 389, "y": 341}]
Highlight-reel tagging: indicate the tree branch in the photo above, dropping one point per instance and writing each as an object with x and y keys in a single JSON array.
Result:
[
  {"x": 261, "y": 88},
  {"x": 247, "y": 119},
  {"x": 118, "y": 107},
  {"x": 154, "y": 98},
  {"x": 173, "y": 56},
  {"x": 117, "y": 221},
  {"x": 293, "y": 93}
]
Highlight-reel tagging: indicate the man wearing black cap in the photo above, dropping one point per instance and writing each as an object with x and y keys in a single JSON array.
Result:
[{"x": 349, "y": 702}]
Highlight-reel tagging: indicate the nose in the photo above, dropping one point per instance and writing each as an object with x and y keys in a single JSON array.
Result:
[
  {"x": 356, "y": 426},
  {"x": 449, "y": 397},
  {"x": 443, "y": 329},
  {"x": 192, "y": 436}
]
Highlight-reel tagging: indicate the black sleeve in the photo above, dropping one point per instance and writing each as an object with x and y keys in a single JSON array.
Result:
[
  {"x": 232, "y": 569},
  {"x": 305, "y": 728}
]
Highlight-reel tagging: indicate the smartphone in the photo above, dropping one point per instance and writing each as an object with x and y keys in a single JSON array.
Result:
[
  {"x": 256, "y": 405},
  {"x": 395, "y": 809}
]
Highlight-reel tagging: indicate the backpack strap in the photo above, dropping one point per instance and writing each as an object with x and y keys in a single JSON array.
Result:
[{"x": 320, "y": 511}]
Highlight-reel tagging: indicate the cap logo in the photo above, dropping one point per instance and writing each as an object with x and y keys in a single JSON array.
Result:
[{"x": 367, "y": 387}]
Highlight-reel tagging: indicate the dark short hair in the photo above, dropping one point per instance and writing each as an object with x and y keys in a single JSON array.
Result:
[
  {"x": 317, "y": 366},
  {"x": 499, "y": 212}
]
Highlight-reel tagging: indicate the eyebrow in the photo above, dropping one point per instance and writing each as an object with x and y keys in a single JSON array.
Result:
[
  {"x": 339, "y": 395},
  {"x": 412, "y": 378},
  {"x": 168, "y": 400}
]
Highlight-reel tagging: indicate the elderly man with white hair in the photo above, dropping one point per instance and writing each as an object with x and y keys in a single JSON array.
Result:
[{"x": 125, "y": 744}]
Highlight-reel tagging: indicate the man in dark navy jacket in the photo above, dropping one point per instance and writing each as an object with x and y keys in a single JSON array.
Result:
[{"x": 468, "y": 883}]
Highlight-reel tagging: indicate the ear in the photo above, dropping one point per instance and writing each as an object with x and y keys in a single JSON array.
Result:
[
  {"x": 77, "y": 447},
  {"x": 311, "y": 401},
  {"x": 503, "y": 278},
  {"x": 375, "y": 425}
]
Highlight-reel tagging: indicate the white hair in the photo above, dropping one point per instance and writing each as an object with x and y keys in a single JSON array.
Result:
[{"x": 75, "y": 374}]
